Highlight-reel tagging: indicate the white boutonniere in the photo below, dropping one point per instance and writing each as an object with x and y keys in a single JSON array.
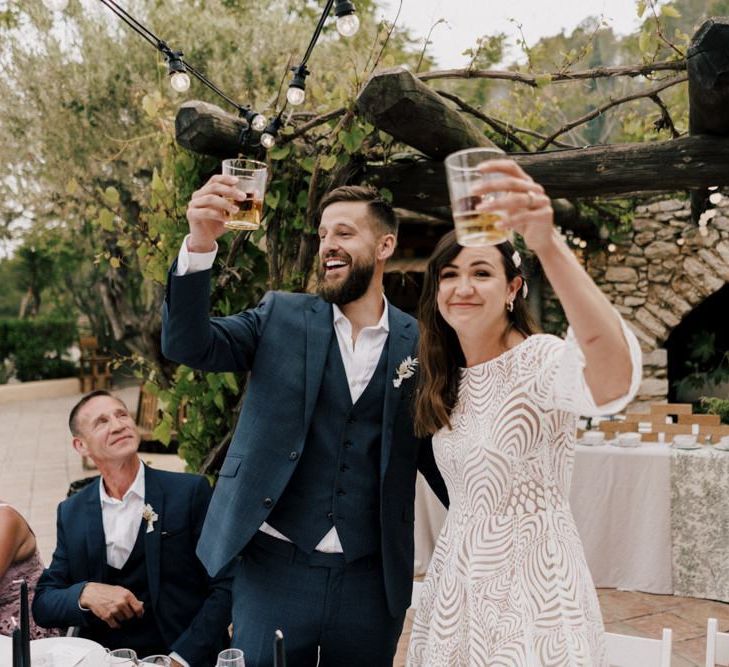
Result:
[
  {"x": 405, "y": 370},
  {"x": 150, "y": 516}
]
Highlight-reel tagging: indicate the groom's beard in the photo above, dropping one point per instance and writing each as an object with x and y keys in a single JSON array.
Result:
[{"x": 352, "y": 287}]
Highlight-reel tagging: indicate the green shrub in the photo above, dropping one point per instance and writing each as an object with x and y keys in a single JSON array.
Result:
[
  {"x": 715, "y": 406},
  {"x": 37, "y": 346}
]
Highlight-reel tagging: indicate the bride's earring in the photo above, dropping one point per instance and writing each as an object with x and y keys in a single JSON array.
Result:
[{"x": 510, "y": 305}]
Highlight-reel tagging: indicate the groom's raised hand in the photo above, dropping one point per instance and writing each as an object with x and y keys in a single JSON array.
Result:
[
  {"x": 112, "y": 604},
  {"x": 209, "y": 208}
]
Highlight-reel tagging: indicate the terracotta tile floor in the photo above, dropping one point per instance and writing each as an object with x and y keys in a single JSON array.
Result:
[{"x": 645, "y": 615}]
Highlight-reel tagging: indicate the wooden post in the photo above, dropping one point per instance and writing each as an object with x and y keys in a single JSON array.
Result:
[
  {"x": 401, "y": 105},
  {"x": 707, "y": 63}
]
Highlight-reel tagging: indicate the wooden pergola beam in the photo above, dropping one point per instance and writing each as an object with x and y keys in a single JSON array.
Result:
[
  {"x": 707, "y": 63},
  {"x": 599, "y": 171}
]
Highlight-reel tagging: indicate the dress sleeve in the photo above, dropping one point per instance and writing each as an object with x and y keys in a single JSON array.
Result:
[{"x": 561, "y": 380}]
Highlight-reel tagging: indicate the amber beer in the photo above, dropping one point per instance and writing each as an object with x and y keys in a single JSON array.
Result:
[
  {"x": 473, "y": 226},
  {"x": 251, "y": 177},
  {"x": 248, "y": 216}
]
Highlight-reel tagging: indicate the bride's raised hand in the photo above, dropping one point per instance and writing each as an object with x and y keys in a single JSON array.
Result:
[{"x": 527, "y": 209}]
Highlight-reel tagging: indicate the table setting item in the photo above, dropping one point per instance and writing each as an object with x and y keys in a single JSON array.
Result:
[
  {"x": 592, "y": 438},
  {"x": 279, "y": 652},
  {"x": 121, "y": 657},
  {"x": 67, "y": 652},
  {"x": 231, "y": 657},
  {"x": 163, "y": 660},
  {"x": 723, "y": 444},
  {"x": 685, "y": 441},
  {"x": 628, "y": 439}
]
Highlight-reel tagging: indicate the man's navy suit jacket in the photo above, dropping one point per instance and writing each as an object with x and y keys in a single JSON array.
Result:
[
  {"x": 192, "y": 611},
  {"x": 283, "y": 343}
]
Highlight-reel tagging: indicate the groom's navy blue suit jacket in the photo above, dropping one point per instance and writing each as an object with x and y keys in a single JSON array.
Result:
[
  {"x": 283, "y": 343},
  {"x": 192, "y": 611}
]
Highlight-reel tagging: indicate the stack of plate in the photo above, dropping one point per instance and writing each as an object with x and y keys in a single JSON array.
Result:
[{"x": 685, "y": 441}]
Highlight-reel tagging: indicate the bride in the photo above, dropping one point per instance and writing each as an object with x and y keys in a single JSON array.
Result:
[{"x": 508, "y": 583}]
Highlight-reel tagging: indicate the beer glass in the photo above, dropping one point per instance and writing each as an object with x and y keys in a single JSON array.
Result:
[
  {"x": 252, "y": 181},
  {"x": 473, "y": 226}
]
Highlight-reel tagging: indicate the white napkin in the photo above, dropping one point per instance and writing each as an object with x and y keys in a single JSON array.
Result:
[{"x": 67, "y": 656}]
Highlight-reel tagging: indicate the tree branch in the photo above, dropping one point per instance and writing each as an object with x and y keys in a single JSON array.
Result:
[
  {"x": 314, "y": 122},
  {"x": 666, "y": 121},
  {"x": 500, "y": 126},
  {"x": 609, "y": 105},
  {"x": 555, "y": 77}
]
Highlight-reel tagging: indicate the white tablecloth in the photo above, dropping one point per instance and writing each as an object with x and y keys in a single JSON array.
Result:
[{"x": 621, "y": 501}]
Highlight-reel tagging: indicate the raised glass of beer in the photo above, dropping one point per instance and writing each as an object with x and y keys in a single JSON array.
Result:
[
  {"x": 474, "y": 227},
  {"x": 251, "y": 180}
]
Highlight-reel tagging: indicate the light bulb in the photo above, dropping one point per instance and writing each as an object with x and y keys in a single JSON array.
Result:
[
  {"x": 295, "y": 95},
  {"x": 348, "y": 25},
  {"x": 583, "y": 244},
  {"x": 259, "y": 122},
  {"x": 180, "y": 82},
  {"x": 56, "y": 5},
  {"x": 680, "y": 241},
  {"x": 612, "y": 247},
  {"x": 268, "y": 140}
]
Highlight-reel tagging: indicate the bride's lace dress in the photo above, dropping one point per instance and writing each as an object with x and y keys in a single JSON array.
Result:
[{"x": 508, "y": 583}]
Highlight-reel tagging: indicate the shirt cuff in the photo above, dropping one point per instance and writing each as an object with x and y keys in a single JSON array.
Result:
[
  {"x": 192, "y": 262},
  {"x": 180, "y": 659}
]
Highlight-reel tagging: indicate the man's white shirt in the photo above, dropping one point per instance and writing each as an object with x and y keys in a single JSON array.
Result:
[{"x": 360, "y": 359}]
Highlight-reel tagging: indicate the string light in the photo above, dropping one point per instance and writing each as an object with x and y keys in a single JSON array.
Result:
[
  {"x": 680, "y": 241},
  {"x": 179, "y": 78},
  {"x": 347, "y": 20},
  {"x": 583, "y": 244},
  {"x": 296, "y": 94},
  {"x": 612, "y": 247},
  {"x": 180, "y": 71},
  {"x": 256, "y": 120},
  {"x": 268, "y": 138}
]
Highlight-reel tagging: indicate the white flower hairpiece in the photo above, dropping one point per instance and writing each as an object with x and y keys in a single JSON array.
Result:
[
  {"x": 150, "y": 516},
  {"x": 516, "y": 258},
  {"x": 405, "y": 370}
]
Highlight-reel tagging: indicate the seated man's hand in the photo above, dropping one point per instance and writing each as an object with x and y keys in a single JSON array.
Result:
[{"x": 112, "y": 604}]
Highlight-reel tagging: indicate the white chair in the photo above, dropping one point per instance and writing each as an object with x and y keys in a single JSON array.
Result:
[
  {"x": 717, "y": 644},
  {"x": 627, "y": 651}
]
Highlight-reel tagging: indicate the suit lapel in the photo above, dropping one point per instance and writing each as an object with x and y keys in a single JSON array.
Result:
[
  {"x": 318, "y": 337},
  {"x": 154, "y": 496},
  {"x": 399, "y": 345},
  {"x": 95, "y": 540}
]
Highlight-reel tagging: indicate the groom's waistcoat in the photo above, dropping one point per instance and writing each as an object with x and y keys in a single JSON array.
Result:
[{"x": 337, "y": 480}]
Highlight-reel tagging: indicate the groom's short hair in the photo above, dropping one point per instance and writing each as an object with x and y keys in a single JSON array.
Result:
[
  {"x": 73, "y": 417},
  {"x": 378, "y": 207}
]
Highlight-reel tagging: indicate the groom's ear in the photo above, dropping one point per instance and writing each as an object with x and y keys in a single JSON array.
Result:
[
  {"x": 80, "y": 446},
  {"x": 386, "y": 246}
]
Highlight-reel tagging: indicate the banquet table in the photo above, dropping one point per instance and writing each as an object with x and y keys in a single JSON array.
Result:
[{"x": 651, "y": 518}]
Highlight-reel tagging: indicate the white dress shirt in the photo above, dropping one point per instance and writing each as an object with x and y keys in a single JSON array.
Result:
[
  {"x": 121, "y": 520},
  {"x": 359, "y": 357}
]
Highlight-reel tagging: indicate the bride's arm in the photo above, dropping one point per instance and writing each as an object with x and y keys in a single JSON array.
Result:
[{"x": 596, "y": 324}]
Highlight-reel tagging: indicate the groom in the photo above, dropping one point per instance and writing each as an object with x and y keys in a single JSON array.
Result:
[{"x": 315, "y": 496}]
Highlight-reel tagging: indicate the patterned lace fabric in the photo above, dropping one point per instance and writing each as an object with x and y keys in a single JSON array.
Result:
[
  {"x": 30, "y": 569},
  {"x": 508, "y": 583}
]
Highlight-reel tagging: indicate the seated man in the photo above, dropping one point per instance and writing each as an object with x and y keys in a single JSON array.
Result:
[{"x": 124, "y": 568}]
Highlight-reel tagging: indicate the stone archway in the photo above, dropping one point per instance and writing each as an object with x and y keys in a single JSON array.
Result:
[{"x": 666, "y": 269}]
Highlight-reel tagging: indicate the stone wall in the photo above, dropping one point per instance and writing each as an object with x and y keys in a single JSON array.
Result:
[{"x": 667, "y": 268}]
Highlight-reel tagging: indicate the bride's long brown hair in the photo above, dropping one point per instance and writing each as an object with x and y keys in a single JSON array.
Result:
[{"x": 439, "y": 351}]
